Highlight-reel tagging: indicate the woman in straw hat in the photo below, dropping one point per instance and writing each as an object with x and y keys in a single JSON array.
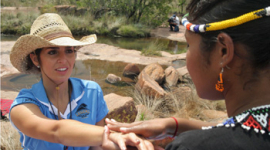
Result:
[
  {"x": 59, "y": 112},
  {"x": 228, "y": 58}
]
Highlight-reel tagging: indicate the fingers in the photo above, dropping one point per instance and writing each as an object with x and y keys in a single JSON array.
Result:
[
  {"x": 138, "y": 142},
  {"x": 106, "y": 143},
  {"x": 137, "y": 129},
  {"x": 115, "y": 126}
]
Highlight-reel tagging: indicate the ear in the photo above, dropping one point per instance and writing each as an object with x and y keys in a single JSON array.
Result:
[
  {"x": 34, "y": 59},
  {"x": 226, "y": 48}
]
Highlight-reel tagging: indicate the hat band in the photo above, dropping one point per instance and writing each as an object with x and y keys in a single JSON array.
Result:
[{"x": 57, "y": 35}]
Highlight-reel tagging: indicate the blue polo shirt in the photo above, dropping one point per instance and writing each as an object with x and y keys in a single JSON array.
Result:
[{"x": 87, "y": 106}]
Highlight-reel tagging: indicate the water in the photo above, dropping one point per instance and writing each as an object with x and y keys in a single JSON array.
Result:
[
  {"x": 173, "y": 47},
  {"x": 97, "y": 70}
]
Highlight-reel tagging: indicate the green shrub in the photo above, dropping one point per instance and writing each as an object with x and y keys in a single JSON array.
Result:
[
  {"x": 154, "y": 49},
  {"x": 132, "y": 31},
  {"x": 17, "y": 23}
]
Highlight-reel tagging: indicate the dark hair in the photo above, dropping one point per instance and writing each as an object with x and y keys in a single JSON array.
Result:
[
  {"x": 30, "y": 65},
  {"x": 255, "y": 35}
]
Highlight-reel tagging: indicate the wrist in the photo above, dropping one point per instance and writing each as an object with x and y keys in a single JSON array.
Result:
[{"x": 171, "y": 126}]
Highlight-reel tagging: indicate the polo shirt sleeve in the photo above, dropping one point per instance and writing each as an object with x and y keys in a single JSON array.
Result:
[
  {"x": 102, "y": 106},
  {"x": 24, "y": 97}
]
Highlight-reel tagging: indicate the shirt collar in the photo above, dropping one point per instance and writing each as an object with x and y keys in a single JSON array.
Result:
[{"x": 38, "y": 91}]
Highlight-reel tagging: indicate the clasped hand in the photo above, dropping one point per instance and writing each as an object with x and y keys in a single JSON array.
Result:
[{"x": 134, "y": 134}]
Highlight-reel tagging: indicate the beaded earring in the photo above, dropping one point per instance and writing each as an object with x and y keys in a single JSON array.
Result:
[
  {"x": 38, "y": 66},
  {"x": 219, "y": 85}
]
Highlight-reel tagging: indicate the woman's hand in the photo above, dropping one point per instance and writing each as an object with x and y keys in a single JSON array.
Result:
[
  {"x": 155, "y": 129},
  {"x": 117, "y": 141}
]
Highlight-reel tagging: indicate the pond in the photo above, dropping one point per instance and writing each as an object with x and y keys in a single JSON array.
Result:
[
  {"x": 96, "y": 70},
  {"x": 173, "y": 47}
]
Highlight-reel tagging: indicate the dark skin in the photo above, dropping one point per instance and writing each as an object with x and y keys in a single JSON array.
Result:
[{"x": 242, "y": 90}]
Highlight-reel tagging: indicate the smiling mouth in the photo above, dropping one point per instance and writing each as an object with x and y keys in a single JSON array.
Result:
[{"x": 61, "y": 69}]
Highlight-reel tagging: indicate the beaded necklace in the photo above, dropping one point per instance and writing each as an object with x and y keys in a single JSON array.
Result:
[{"x": 257, "y": 119}]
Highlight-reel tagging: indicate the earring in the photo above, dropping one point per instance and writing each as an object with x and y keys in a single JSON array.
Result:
[
  {"x": 219, "y": 85},
  {"x": 38, "y": 66}
]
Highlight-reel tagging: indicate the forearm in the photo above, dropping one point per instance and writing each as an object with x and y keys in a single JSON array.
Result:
[
  {"x": 75, "y": 133},
  {"x": 184, "y": 125}
]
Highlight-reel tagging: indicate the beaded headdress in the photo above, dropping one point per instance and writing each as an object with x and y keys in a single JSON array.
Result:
[{"x": 199, "y": 28}]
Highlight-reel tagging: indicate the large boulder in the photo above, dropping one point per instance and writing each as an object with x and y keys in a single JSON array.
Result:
[
  {"x": 184, "y": 75},
  {"x": 156, "y": 72},
  {"x": 146, "y": 85},
  {"x": 131, "y": 71},
  {"x": 121, "y": 108},
  {"x": 171, "y": 76}
]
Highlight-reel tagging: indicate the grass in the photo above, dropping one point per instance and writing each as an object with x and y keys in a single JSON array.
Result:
[
  {"x": 181, "y": 101},
  {"x": 154, "y": 49},
  {"x": 10, "y": 138}
]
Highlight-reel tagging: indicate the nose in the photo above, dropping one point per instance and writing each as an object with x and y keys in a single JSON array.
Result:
[{"x": 62, "y": 58}]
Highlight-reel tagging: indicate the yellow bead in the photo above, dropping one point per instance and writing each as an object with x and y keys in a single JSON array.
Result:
[
  {"x": 232, "y": 22},
  {"x": 57, "y": 88}
]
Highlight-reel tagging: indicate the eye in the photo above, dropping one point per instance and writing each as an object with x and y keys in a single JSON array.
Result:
[
  {"x": 52, "y": 52},
  {"x": 70, "y": 50}
]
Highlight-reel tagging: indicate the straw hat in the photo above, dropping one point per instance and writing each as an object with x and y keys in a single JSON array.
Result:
[{"x": 48, "y": 30}]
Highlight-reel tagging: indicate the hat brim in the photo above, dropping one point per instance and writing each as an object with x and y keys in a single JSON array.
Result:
[{"x": 29, "y": 43}]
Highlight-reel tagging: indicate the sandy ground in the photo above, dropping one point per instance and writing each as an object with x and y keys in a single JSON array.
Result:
[{"x": 101, "y": 52}]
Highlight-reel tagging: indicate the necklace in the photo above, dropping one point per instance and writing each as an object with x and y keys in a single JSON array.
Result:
[
  {"x": 256, "y": 118},
  {"x": 69, "y": 96}
]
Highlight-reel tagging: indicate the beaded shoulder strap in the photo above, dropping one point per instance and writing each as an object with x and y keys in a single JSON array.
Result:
[
  {"x": 257, "y": 119},
  {"x": 225, "y": 23}
]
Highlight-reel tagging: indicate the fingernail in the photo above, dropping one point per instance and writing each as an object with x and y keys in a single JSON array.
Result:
[
  {"x": 113, "y": 120},
  {"x": 138, "y": 141},
  {"x": 123, "y": 129},
  {"x": 107, "y": 119},
  {"x": 123, "y": 148},
  {"x": 106, "y": 128}
]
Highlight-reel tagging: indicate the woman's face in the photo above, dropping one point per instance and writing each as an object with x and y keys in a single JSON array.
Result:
[
  {"x": 204, "y": 75},
  {"x": 57, "y": 63}
]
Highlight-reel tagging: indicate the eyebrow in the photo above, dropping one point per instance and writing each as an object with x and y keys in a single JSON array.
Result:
[{"x": 56, "y": 48}]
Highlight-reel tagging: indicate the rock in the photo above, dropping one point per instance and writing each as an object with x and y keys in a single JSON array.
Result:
[
  {"x": 121, "y": 108},
  {"x": 184, "y": 75},
  {"x": 148, "y": 86},
  {"x": 111, "y": 78},
  {"x": 156, "y": 72},
  {"x": 171, "y": 76},
  {"x": 131, "y": 71}
]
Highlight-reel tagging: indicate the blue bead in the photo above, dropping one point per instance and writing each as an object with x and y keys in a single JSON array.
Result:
[{"x": 196, "y": 29}]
